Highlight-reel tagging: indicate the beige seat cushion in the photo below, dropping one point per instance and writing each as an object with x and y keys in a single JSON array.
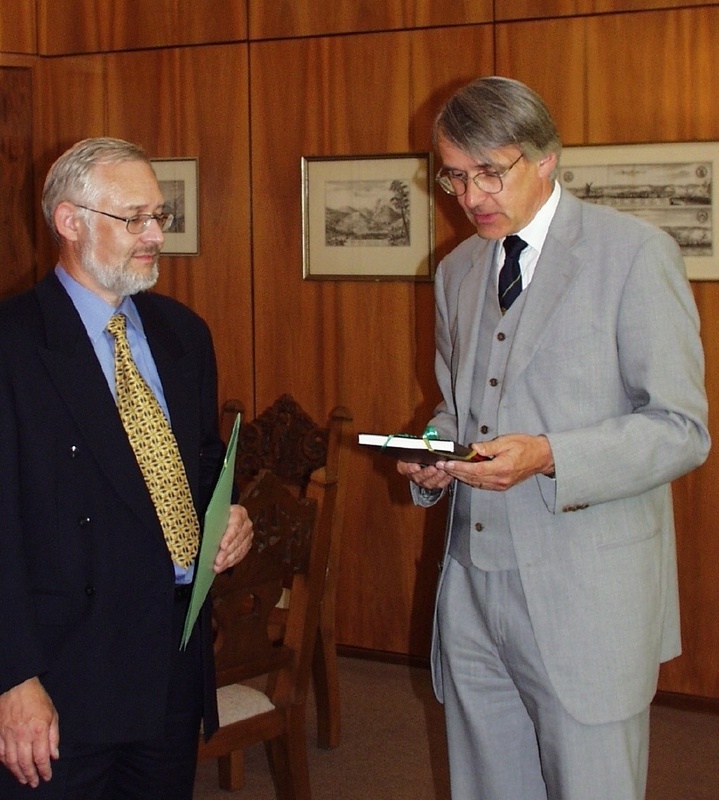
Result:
[{"x": 237, "y": 701}]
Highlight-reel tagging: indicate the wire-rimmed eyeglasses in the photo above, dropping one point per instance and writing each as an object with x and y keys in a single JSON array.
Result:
[
  {"x": 454, "y": 181},
  {"x": 140, "y": 222}
]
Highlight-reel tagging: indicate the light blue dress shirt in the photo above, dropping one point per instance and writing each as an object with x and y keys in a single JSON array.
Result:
[{"x": 95, "y": 313}]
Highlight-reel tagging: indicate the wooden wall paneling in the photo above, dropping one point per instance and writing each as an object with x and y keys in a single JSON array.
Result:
[
  {"x": 531, "y": 9},
  {"x": 659, "y": 94},
  {"x": 17, "y": 211},
  {"x": 696, "y": 671},
  {"x": 377, "y": 342},
  {"x": 292, "y": 18},
  {"x": 18, "y": 27},
  {"x": 428, "y": 13},
  {"x": 437, "y": 72},
  {"x": 88, "y": 26},
  {"x": 167, "y": 100},
  {"x": 656, "y": 92},
  {"x": 69, "y": 106},
  {"x": 550, "y": 57},
  {"x": 331, "y": 342}
]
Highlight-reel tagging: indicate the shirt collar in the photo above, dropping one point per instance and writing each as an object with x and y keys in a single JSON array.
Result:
[
  {"x": 94, "y": 312},
  {"x": 535, "y": 232}
]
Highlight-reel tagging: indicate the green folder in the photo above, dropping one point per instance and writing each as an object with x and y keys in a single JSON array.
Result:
[{"x": 216, "y": 516}]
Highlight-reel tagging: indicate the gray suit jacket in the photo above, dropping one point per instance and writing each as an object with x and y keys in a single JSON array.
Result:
[{"x": 607, "y": 363}]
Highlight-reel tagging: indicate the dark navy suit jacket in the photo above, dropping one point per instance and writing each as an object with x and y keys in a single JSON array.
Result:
[{"x": 86, "y": 582}]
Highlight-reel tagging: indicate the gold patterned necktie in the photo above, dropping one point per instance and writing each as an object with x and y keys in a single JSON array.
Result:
[{"x": 156, "y": 451}]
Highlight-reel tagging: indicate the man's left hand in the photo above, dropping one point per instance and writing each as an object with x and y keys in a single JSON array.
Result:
[{"x": 236, "y": 540}]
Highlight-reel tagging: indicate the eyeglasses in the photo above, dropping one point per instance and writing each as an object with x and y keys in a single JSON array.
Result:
[
  {"x": 140, "y": 222},
  {"x": 454, "y": 181}
]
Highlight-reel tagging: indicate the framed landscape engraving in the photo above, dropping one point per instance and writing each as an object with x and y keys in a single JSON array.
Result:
[
  {"x": 367, "y": 217},
  {"x": 178, "y": 181},
  {"x": 670, "y": 185}
]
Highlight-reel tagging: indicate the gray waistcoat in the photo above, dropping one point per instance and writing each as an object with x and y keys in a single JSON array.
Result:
[{"x": 480, "y": 531}]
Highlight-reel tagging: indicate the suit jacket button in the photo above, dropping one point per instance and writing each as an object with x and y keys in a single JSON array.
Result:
[
  {"x": 74, "y": 451},
  {"x": 484, "y": 429},
  {"x": 478, "y": 527},
  {"x": 83, "y": 522},
  {"x": 89, "y": 590},
  {"x": 501, "y": 336}
]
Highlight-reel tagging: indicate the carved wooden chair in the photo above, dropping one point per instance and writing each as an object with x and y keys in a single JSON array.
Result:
[
  {"x": 291, "y": 544},
  {"x": 306, "y": 457}
]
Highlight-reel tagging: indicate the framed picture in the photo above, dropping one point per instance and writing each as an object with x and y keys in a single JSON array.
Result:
[
  {"x": 178, "y": 180},
  {"x": 368, "y": 217},
  {"x": 669, "y": 185}
]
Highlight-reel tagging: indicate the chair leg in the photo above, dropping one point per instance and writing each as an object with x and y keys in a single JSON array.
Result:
[
  {"x": 325, "y": 676},
  {"x": 231, "y": 771},
  {"x": 287, "y": 756}
]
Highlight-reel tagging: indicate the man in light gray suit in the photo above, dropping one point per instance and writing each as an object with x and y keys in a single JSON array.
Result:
[{"x": 580, "y": 379}]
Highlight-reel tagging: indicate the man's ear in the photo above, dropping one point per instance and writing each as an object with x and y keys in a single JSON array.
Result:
[
  {"x": 547, "y": 164},
  {"x": 67, "y": 221}
]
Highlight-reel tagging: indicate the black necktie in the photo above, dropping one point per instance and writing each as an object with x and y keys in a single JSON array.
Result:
[{"x": 510, "y": 276}]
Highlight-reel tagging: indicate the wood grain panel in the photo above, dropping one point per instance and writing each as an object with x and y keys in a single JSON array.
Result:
[
  {"x": 643, "y": 94},
  {"x": 88, "y": 26},
  {"x": 531, "y": 9},
  {"x": 288, "y": 18},
  {"x": 17, "y": 211},
  {"x": 17, "y": 26},
  {"x": 366, "y": 345},
  {"x": 330, "y": 342},
  {"x": 696, "y": 671},
  {"x": 550, "y": 57},
  {"x": 637, "y": 96},
  {"x": 167, "y": 100}
]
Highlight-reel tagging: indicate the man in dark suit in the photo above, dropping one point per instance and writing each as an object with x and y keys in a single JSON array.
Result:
[
  {"x": 97, "y": 700},
  {"x": 581, "y": 380}
]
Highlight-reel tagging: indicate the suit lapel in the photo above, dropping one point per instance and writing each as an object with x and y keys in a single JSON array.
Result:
[
  {"x": 73, "y": 367},
  {"x": 557, "y": 268}
]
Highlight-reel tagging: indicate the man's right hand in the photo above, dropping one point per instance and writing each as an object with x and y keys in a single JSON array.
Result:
[
  {"x": 29, "y": 732},
  {"x": 426, "y": 477}
]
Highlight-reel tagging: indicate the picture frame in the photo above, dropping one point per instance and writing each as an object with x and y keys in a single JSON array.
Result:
[
  {"x": 179, "y": 184},
  {"x": 670, "y": 185},
  {"x": 368, "y": 217}
]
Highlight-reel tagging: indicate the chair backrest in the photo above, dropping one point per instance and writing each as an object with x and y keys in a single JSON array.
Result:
[
  {"x": 286, "y": 440},
  {"x": 289, "y": 546}
]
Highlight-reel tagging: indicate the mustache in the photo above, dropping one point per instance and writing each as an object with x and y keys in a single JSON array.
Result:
[{"x": 152, "y": 250}]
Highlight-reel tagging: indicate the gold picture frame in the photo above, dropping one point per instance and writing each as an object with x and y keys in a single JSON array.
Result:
[{"x": 368, "y": 217}]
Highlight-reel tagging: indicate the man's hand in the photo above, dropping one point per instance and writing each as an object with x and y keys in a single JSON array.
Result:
[
  {"x": 29, "y": 732},
  {"x": 236, "y": 540},
  {"x": 426, "y": 477},
  {"x": 512, "y": 459}
]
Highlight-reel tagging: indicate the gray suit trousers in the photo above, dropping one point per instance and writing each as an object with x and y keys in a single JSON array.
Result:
[{"x": 509, "y": 737}]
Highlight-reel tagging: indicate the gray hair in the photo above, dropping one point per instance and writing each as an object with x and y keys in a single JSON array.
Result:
[
  {"x": 495, "y": 112},
  {"x": 71, "y": 178}
]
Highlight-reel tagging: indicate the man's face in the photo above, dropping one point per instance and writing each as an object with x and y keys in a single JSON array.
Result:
[
  {"x": 114, "y": 262},
  {"x": 525, "y": 188}
]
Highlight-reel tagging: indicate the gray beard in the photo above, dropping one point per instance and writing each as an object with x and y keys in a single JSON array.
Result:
[
  {"x": 121, "y": 282},
  {"x": 116, "y": 278}
]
